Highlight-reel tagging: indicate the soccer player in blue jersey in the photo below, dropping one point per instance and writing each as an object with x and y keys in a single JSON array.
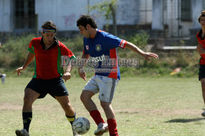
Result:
[{"x": 101, "y": 47}]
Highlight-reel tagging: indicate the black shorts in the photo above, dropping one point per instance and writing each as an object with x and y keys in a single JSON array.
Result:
[
  {"x": 54, "y": 87},
  {"x": 201, "y": 72}
]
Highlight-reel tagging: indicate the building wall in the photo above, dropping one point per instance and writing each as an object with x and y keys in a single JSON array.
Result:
[
  {"x": 65, "y": 13},
  {"x": 129, "y": 12},
  {"x": 5, "y": 15}
]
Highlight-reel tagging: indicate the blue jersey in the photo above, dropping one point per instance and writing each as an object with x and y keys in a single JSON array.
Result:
[{"x": 102, "y": 50}]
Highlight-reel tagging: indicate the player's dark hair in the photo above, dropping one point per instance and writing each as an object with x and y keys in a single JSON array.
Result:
[
  {"x": 86, "y": 19},
  {"x": 49, "y": 25},
  {"x": 201, "y": 15}
]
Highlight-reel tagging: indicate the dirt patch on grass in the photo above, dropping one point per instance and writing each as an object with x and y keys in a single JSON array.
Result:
[
  {"x": 161, "y": 112},
  {"x": 9, "y": 106}
]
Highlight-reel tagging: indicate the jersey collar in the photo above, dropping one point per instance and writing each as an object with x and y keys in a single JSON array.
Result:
[{"x": 53, "y": 45}]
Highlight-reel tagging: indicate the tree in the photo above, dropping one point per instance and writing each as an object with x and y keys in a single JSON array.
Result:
[{"x": 107, "y": 9}]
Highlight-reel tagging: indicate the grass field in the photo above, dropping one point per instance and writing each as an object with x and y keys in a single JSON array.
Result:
[{"x": 144, "y": 107}]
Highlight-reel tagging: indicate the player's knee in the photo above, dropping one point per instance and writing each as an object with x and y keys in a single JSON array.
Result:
[
  {"x": 105, "y": 105},
  {"x": 86, "y": 96},
  {"x": 83, "y": 97},
  {"x": 28, "y": 98}
]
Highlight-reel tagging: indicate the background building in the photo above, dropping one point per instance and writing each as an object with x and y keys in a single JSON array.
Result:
[{"x": 164, "y": 18}]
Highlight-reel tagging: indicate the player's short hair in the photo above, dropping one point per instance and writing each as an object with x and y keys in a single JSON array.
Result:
[
  {"x": 49, "y": 26},
  {"x": 86, "y": 19},
  {"x": 201, "y": 15}
]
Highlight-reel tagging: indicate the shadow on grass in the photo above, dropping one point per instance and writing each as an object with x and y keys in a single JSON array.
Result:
[{"x": 184, "y": 120}]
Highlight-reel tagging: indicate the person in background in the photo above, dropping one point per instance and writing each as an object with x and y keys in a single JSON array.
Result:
[{"x": 201, "y": 50}]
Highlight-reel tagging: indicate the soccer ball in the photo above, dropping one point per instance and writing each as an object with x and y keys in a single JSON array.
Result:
[{"x": 81, "y": 125}]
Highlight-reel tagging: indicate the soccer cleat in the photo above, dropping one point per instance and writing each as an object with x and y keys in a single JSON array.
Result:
[
  {"x": 3, "y": 77},
  {"x": 102, "y": 128},
  {"x": 74, "y": 132},
  {"x": 203, "y": 114},
  {"x": 22, "y": 132}
]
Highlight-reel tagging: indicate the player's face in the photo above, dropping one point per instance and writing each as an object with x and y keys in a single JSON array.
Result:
[
  {"x": 48, "y": 37},
  {"x": 83, "y": 31},
  {"x": 202, "y": 21}
]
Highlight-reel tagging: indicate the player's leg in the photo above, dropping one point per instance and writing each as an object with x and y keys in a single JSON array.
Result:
[
  {"x": 67, "y": 107},
  {"x": 202, "y": 79},
  {"x": 203, "y": 93},
  {"x": 90, "y": 90},
  {"x": 107, "y": 88},
  {"x": 60, "y": 93},
  {"x": 3, "y": 77},
  {"x": 109, "y": 112},
  {"x": 203, "y": 88},
  {"x": 29, "y": 97}
]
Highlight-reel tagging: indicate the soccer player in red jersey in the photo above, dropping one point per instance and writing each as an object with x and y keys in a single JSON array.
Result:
[
  {"x": 48, "y": 75},
  {"x": 101, "y": 48},
  {"x": 201, "y": 50}
]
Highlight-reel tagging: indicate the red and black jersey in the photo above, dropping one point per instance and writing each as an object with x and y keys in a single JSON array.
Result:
[
  {"x": 201, "y": 40},
  {"x": 48, "y": 61}
]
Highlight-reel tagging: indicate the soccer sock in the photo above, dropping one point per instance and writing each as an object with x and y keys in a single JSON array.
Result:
[
  {"x": 95, "y": 114},
  {"x": 27, "y": 117},
  {"x": 112, "y": 126},
  {"x": 70, "y": 119}
]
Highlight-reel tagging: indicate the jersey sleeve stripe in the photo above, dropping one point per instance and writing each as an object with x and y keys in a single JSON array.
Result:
[{"x": 123, "y": 43}]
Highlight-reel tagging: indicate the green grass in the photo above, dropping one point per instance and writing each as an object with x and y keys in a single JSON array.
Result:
[{"x": 144, "y": 107}]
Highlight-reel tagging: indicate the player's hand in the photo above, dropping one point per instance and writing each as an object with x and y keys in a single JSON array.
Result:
[
  {"x": 149, "y": 55},
  {"x": 66, "y": 76},
  {"x": 18, "y": 70},
  {"x": 82, "y": 73}
]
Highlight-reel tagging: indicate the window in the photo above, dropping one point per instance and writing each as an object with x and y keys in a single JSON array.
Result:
[
  {"x": 186, "y": 10},
  {"x": 24, "y": 14}
]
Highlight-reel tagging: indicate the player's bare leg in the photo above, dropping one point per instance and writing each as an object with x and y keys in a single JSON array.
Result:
[
  {"x": 69, "y": 110},
  {"x": 87, "y": 101},
  {"x": 95, "y": 114},
  {"x": 203, "y": 93},
  {"x": 109, "y": 112},
  {"x": 66, "y": 105},
  {"x": 29, "y": 97}
]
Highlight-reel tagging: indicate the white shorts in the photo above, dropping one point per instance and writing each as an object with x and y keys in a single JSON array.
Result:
[{"x": 102, "y": 84}]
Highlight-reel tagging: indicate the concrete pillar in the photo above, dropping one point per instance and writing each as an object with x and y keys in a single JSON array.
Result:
[
  {"x": 157, "y": 15},
  {"x": 197, "y": 6}
]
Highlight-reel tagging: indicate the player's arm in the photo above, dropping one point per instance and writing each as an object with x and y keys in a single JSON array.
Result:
[
  {"x": 81, "y": 71},
  {"x": 200, "y": 49},
  {"x": 67, "y": 71},
  {"x": 136, "y": 49},
  {"x": 28, "y": 60}
]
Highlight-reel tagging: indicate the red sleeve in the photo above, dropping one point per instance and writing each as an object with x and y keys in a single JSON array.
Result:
[{"x": 65, "y": 51}]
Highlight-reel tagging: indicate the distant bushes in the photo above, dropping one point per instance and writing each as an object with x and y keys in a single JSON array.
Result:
[{"x": 14, "y": 52}]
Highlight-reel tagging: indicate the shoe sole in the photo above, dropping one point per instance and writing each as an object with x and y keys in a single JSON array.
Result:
[{"x": 102, "y": 132}]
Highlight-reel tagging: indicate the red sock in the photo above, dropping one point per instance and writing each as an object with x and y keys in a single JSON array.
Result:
[
  {"x": 112, "y": 126},
  {"x": 95, "y": 114}
]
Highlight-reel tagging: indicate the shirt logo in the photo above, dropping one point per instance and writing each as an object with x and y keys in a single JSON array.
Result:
[
  {"x": 86, "y": 47},
  {"x": 98, "y": 47}
]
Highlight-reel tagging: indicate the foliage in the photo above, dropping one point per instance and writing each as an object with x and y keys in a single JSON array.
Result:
[
  {"x": 105, "y": 8},
  {"x": 14, "y": 51}
]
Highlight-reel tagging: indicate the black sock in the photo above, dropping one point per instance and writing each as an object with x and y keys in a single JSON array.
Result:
[
  {"x": 70, "y": 119},
  {"x": 27, "y": 117}
]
